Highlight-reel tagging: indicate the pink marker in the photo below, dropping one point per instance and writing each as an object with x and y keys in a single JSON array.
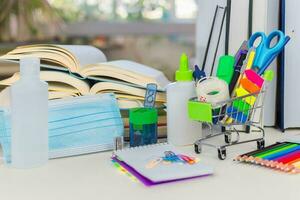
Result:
[{"x": 254, "y": 77}]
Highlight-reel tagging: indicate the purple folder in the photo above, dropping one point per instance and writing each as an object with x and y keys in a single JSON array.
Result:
[{"x": 144, "y": 179}]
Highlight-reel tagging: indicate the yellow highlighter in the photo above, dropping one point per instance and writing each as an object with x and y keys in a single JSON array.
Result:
[
  {"x": 240, "y": 91},
  {"x": 250, "y": 59}
]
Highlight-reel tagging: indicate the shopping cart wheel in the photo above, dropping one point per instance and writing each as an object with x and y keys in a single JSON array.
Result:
[
  {"x": 260, "y": 144},
  {"x": 227, "y": 138},
  {"x": 197, "y": 148},
  {"x": 222, "y": 153}
]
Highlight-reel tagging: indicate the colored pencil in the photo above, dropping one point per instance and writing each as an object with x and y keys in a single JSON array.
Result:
[
  {"x": 297, "y": 167},
  {"x": 246, "y": 155},
  {"x": 270, "y": 160},
  {"x": 258, "y": 157},
  {"x": 281, "y": 156},
  {"x": 283, "y": 152},
  {"x": 297, "y": 164},
  {"x": 275, "y": 150},
  {"x": 286, "y": 160},
  {"x": 288, "y": 157},
  {"x": 294, "y": 161},
  {"x": 264, "y": 149}
]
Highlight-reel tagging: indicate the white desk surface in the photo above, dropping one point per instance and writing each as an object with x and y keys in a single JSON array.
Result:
[{"x": 93, "y": 177}]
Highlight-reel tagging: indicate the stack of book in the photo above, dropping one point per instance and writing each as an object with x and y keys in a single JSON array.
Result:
[{"x": 78, "y": 70}]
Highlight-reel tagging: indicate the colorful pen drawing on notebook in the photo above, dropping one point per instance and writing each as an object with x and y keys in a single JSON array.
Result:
[
  {"x": 160, "y": 163},
  {"x": 283, "y": 156}
]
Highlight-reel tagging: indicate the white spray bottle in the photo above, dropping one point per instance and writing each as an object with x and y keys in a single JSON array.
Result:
[
  {"x": 29, "y": 117},
  {"x": 181, "y": 130}
]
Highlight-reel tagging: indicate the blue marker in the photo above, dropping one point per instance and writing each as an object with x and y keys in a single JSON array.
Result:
[{"x": 198, "y": 74}]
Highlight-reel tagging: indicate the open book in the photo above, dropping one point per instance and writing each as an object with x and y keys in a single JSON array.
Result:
[{"x": 73, "y": 70}]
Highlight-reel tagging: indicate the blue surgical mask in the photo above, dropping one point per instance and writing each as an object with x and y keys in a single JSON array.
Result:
[{"x": 77, "y": 126}]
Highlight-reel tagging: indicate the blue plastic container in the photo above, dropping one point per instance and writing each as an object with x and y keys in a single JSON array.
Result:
[{"x": 142, "y": 126}]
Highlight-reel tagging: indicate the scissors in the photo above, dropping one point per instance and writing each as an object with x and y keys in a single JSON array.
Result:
[{"x": 264, "y": 53}]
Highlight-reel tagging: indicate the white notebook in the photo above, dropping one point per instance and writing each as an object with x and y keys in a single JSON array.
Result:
[{"x": 141, "y": 159}]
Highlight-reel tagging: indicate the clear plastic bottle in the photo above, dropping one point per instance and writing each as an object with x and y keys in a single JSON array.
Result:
[
  {"x": 181, "y": 130},
  {"x": 29, "y": 117}
]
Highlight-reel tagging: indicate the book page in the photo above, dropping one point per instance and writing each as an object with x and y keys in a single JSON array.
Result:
[
  {"x": 54, "y": 57},
  {"x": 123, "y": 89},
  {"x": 59, "y": 95},
  {"x": 72, "y": 57},
  {"x": 137, "y": 68},
  {"x": 129, "y": 103},
  {"x": 58, "y": 79},
  {"x": 127, "y": 71},
  {"x": 11, "y": 66},
  {"x": 85, "y": 54},
  {"x": 5, "y": 96}
]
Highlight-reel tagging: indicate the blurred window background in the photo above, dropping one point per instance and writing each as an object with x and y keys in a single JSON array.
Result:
[
  {"x": 152, "y": 32},
  {"x": 128, "y": 10}
]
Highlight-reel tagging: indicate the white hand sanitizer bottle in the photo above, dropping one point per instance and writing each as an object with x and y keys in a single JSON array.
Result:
[
  {"x": 29, "y": 117},
  {"x": 181, "y": 130}
]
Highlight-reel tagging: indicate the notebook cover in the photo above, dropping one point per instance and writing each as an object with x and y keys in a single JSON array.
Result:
[
  {"x": 146, "y": 181},
  {"x": 161, "y": 162}
]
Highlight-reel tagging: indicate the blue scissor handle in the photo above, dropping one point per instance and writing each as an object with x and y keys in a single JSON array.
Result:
[
  {"x": 264, "y": 51},
  {"x": 262, "y": 70},
  {"x": 258, "y": 49}
]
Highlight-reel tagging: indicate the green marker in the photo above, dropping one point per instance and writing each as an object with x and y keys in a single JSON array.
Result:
[{"x": 225, "y": 68}]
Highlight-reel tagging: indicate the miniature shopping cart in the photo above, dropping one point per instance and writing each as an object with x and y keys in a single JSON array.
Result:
[{"x": 245, "y": 110}]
